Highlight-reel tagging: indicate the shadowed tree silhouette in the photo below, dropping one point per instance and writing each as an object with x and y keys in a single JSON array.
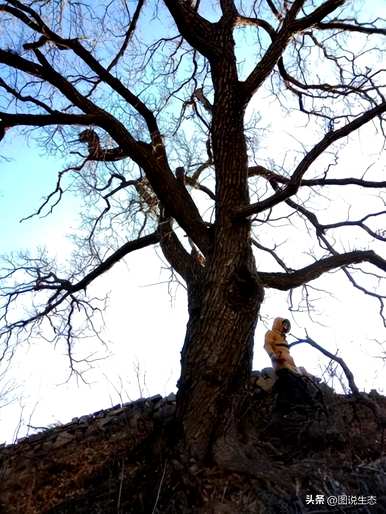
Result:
[{"x": 159, "y": 97}]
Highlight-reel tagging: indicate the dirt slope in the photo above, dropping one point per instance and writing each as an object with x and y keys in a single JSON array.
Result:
[{"x": 123, "y": 461}]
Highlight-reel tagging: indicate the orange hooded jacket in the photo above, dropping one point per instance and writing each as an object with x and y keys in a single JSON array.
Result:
[{"x": 276, "y": 346}]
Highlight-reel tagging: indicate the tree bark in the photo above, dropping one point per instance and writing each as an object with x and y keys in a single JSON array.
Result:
[
  {"x": 225, "y": 296},
  {"x": 217, "y": 354}
]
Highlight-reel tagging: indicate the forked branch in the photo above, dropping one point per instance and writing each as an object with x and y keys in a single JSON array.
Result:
[{"x": 295, "y": 181}]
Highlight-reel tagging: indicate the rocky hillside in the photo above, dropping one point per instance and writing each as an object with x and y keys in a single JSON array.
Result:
[{"x": 123, "y": 461}]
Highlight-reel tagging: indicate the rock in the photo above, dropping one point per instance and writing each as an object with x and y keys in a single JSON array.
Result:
[
  {"x": 268, "y": 373},
  {"x": 62, "y": 439},
  {"x": 134, "y": 458},
  {"x": 263, "y": 379}
]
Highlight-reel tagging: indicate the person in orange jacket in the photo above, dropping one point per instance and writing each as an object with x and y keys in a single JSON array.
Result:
[{"x": 276, "y": 346}]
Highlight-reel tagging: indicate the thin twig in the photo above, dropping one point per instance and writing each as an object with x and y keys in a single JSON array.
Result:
[
  {"x": 159, "y": 488},
  {"x": 381, "y": 420}
]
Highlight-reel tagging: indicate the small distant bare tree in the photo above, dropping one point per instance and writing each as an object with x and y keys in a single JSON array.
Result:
[{"x": 149, "y": 100}]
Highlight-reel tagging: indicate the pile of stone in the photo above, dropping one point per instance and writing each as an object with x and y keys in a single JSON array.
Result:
[{"x": 38, "y": 471}]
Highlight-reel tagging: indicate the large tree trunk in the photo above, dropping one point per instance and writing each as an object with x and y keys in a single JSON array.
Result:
[
  {"x": 217, "y": 354},
  {"x": 224, "y": 300}
]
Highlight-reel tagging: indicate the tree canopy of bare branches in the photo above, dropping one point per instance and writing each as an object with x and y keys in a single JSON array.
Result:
[{"x": 161, "y": 108}]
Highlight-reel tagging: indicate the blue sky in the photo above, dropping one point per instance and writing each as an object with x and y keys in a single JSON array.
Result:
[{"x": 27, "y": 175}]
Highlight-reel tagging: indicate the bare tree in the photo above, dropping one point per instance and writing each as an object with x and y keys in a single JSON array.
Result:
[{"x": 149, "y": 100}]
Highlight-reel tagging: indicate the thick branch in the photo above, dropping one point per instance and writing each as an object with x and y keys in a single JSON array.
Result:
[
  {"x": 41, "y": 120},
  {"x": 129, "y": 247},
  {"x": 286, "y": 281},
  {"x": 257, "y": 22},
  {"x": 228, "y": 8},
  {"x": 262, "y": 171},
  {"x": 351, "y": 27},
  {"x": 151, "y": 158},
  {"x": 46, "y": 72},
  {"x": 197, "y": 31},
  {"x": 117, "y": 86},
  {"x": 318, "y": 14},
  {"x": 174, "y": 252},
  {"x": 296, "y": 178},
  {"x": 63, "y": 290},
  {"x": 96, "y": 152},
  {"x": 104, "y": 74},
  {"x": 279, "y": 43},
  {"x": 129, "y": 33},
  {"x": 280, "y": 40}
]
